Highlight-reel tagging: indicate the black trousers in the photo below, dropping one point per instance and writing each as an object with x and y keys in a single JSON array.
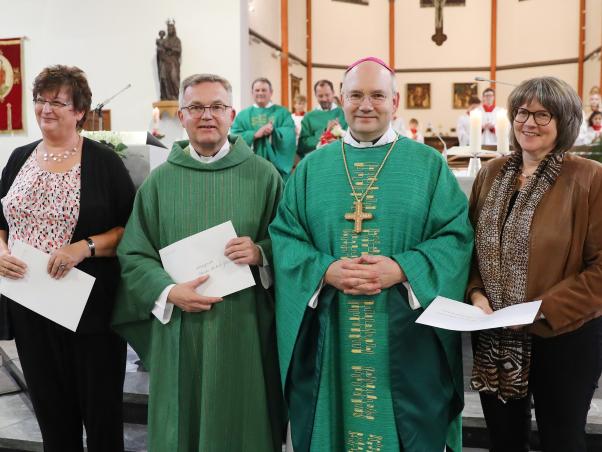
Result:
[
  {"x": 73, "y": 380},
  {"x": 564, "y": 374}
]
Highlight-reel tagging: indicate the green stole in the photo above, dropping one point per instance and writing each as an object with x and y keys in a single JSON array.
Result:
[
  {"x": 279, "y": 147},
  {"x": 376, "y": 380}
]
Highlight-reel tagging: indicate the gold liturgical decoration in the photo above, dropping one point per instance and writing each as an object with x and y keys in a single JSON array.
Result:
[{"x": 358, "y": 216}]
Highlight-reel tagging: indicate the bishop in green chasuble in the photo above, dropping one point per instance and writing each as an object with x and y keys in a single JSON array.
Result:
[{"x": 358, "y": 373}]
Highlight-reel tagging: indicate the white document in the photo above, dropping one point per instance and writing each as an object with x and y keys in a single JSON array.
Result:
[
  {"x": 456, "y": 316},
  {"x": 202, "y": 254},
  {"x": 60, "y": 300}
]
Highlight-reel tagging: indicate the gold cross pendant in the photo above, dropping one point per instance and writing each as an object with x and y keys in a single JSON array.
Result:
[{"x": 358, "y": 216}]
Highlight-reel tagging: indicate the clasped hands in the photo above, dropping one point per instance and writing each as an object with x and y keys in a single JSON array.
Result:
[
  {"x": 364, "y": 275},
  {"x": 240, "y": 250},
  {"x": 264, "y": 130}
]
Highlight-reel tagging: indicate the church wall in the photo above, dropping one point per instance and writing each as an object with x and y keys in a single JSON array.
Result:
[
  {"x": 119, "y": 48},
  {"x": 264, "y": 61},
  {"x": 593, "y": 25},
  {"x": 264, "y": 18},
  {"x": 297, "y": 28},
  {"x": 467, "y": 29},
  {"x": 537, "y": 30},
  {"x": 593, "y": 41},
  {"x": 591, "y": 76},
  {"x": 343, "y": 32}
]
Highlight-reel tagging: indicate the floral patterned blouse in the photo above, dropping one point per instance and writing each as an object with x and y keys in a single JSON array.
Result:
[{"x": 42, "y": 207}]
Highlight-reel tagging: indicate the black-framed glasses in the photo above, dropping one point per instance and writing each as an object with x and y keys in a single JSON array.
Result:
[
  {"x": 197, "y": 110},
  {"x": 357, "y": 97},
  {"x": 40, "y": 102},
  {"x": 541, "y": 117}
]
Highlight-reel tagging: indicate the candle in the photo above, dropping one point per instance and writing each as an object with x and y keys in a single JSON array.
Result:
[
  {"x": 502, "y": 131},
  {"x": 9, "y": 117},
  {"x": 476, "y": 119},
  {"x": 156, "y": 117}
]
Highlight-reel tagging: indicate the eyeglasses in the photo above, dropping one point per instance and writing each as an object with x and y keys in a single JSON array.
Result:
[
  {"x": 196, "y": 111},
  {"x": 54, "y": 104},
  {"x": 356, "y": 98},
  {"x": 541, "y": 117}
]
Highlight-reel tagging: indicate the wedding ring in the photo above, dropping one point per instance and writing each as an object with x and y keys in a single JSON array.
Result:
[{"x": 62, "y": 266}]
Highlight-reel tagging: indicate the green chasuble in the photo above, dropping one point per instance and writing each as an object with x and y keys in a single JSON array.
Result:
[
  {"x": 279, "y": 147},
  {"x": 358, "y": 373},
  {"x": 313, "y": 126},
  {"x": 214, "y": 378}
]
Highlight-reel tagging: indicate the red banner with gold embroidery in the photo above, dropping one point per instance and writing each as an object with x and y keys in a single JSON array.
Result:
[{"x": 11, "y": 85}]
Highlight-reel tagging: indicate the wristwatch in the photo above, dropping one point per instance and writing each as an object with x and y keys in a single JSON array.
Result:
[{"x": 91, "y": 246}]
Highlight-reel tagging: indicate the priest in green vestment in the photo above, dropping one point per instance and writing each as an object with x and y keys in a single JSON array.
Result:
[
  {"x": 212, "y": 361},
  {"x": 320, "y": 120},
  {"x": 267, "y": 128},
  {"x": 370, "y": 230}
]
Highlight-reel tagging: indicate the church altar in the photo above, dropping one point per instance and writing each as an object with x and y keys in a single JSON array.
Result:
[{"x": 140, "y": 151}]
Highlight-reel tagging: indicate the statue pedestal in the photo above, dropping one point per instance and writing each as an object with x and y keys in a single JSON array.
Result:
[{"x": 167, "y": 106}]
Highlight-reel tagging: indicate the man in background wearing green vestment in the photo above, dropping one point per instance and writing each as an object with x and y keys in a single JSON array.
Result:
[
  {"x": 267, "y": 128},
  {"x": 322, "y": 119},
  {"x": 214, "y": 379},
  {"x": 370, "y": 230}
]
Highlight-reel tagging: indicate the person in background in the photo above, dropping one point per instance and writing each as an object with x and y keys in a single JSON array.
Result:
[
  {"x": 398, "y": 124},
  {"x": 594, "y": 129},
  {"x": 69, "y": 197},
  {"x": 539, "y": 208},
  {"x": 268, "y": 129},
  {"x": 463, "y": 126},
  {"x": 413, "y": 131},
  {"x": 489, "y": 111},
  {"x": 299, "y": 106},
  {"x": 317, "y": 125},
  {"x": 585, "y": 135}
]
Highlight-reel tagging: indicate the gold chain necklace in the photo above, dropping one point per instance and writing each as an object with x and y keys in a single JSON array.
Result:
[{"x": 358, "y": 215}]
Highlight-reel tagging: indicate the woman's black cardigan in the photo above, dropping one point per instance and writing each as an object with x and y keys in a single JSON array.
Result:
[{"x": 106, "y": 199}]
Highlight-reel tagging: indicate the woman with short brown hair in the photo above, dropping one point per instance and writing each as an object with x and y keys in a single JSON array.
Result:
[
  {"x": 69, "y": 197},
  {"x": 538, "y": 236}
]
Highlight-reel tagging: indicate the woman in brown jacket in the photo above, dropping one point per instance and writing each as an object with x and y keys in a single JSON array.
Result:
[{"x": 537, "y": 215}]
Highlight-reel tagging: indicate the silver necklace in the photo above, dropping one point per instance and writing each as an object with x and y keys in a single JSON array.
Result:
[{"x": 60, "y": 156}]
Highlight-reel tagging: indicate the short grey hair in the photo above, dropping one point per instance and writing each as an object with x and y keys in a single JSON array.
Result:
[
  {"x": 556, "y": 96},
  {"x": 196, "y": 79}
]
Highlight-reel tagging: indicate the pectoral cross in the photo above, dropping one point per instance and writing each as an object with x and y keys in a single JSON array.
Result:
[
  {"x": 439, "y": 37},
  {"x": 358, "y": 216}
]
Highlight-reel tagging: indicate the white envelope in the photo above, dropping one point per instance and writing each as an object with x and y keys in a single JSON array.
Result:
[
  {"x": 456, "y": 316},
  {"x": 60, "y": 300},
  {"x": 202, "y": 254}
]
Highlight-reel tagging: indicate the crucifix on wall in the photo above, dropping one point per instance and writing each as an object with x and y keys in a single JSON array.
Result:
[{"x": 439, "y": 37}]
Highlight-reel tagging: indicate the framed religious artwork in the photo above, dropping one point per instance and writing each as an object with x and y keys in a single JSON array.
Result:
[
  {"x": 462, "y": 92},
  {"x": 11, "y": 85},
  {"x": 418, "y": 95}
]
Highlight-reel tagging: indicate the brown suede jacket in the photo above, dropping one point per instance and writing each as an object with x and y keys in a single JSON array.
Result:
[{"x": 565, "y": 245}]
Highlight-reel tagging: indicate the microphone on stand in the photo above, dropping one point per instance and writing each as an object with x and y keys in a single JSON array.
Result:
[
  {"x": 483, "y": 79},
  {"x": 99, "y": 107}
]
